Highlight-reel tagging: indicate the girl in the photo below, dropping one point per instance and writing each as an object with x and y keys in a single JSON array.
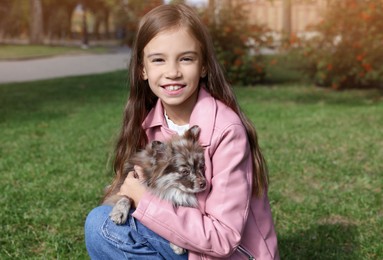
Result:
[{"x": 176, "y": 82}]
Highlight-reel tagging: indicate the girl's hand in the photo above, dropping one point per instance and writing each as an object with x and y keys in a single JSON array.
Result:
[{"x": 132, "y": 186}]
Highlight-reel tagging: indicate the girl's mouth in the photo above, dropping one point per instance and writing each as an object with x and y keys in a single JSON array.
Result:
[{"x": 173, "y": 87}]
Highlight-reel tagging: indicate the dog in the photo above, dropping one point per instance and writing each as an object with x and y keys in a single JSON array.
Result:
[{"x": 172, "y": 170}]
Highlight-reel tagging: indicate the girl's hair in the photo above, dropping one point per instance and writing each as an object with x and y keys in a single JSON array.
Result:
[{"x": 141, "y": 99}]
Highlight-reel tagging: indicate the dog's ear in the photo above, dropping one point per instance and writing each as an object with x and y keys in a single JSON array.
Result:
[{"x": 193, "y": 133}]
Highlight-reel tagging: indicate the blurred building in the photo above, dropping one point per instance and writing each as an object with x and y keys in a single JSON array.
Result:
[{"x": 272, "y": 13}]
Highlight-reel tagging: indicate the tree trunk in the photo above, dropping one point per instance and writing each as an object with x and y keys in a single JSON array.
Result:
[
  {"x": 85, "y": 36},
  {"x": 36, "y": 23},
  {"x": 106, "y": 21}
]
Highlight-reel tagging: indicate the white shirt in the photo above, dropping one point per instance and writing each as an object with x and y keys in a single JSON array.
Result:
[{"x": 180, "y": 129}]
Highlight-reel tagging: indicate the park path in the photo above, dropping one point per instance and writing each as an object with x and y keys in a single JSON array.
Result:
[{"x": 62, "y": 66}]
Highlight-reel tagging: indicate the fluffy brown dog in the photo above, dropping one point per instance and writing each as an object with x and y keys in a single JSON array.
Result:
[{"x": 173, "y": 171}]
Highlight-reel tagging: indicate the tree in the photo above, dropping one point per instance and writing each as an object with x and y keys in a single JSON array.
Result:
[
  {"x": 347, "y": 50},
  {"x": 237, "y": 41},
  {"x": 5, "y": 6},
  {"x": 211, "y": 11},
  {"x": 130, "y": 14},
  {"x": 101, "y": 10},
  {"x": 36, "y": 34},
  {"x": 57, "y": 16}
]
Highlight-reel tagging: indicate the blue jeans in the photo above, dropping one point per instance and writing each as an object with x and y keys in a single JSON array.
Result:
[{"x": 106, "y": 240}]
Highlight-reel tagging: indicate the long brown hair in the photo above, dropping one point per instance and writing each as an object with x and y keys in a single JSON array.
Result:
[{"x": 141, "y": 99}]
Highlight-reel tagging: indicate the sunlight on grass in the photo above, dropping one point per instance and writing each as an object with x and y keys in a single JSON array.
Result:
[
  {"x": 323, "y": 148},
  {"x": 12, "y": 52}
]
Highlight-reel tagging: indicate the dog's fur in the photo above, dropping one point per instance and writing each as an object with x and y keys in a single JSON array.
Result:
[{"x": 173, "y": 171}]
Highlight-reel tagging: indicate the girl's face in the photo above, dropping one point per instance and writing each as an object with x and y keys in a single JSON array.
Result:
[{"x": 173, "y": 66}]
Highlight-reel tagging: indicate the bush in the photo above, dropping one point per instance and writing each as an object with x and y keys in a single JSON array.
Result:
[
  {"x": 347, "y": 51},
  {"x": 238, "y": 44}
]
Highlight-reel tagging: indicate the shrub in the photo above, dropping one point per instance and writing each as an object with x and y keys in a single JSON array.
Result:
[
  {"x": 238, "y": 44},
  {"x": 347, "y": 52}
]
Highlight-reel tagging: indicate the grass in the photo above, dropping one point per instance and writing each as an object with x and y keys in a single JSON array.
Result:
[
  {"x": 324, "y": 151},
  {"x": 16, "y": 52}
]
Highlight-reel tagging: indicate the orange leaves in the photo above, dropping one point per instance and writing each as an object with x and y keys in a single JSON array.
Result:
[
  {"x": 360, "y": 57},
  {"x": 367, "y": 67},
  {"x": 227, "y": 29},
  {"x": 293, "y": 39},
  {"x": 238, "y": 51},
  {"x": 365, "y": 16},
  {"x": 238, "y": 62},
  {"x": 347, "y": 51}
]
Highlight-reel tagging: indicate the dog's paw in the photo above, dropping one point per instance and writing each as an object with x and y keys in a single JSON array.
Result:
[
  {"x": 178, "y": 250},
  {"x": 118, "y": 217},
  {"x": 120, "y": 211}
]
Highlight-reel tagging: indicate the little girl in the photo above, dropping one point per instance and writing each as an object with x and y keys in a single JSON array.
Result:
[{"x": 176, "y": 82}]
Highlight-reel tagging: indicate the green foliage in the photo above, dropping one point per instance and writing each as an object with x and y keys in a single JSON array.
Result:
[
  {"x": 283, "y": 68},
  {"x": 238, "y": 44},
  {"x": 323, "y": 148},
  {"x": 347, "y": 52}
]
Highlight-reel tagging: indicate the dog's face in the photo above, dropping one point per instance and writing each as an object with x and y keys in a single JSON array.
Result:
[
  {"x": 187, "y": 164},
  {"x": 177, "y": 165}
]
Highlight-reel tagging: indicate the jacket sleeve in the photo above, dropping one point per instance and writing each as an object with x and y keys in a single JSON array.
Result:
[{"x": 216, "y": 228}]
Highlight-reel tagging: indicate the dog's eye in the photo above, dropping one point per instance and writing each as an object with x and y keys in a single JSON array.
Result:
[{"x": 184, "y": 172}]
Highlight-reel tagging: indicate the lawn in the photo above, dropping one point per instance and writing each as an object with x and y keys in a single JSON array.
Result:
[
  {"x": 15, "y": 52},
  {"x": 324, "y": 151}
]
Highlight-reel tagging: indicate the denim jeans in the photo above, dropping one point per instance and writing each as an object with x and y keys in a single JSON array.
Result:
[{"x": 106, "y": 240}]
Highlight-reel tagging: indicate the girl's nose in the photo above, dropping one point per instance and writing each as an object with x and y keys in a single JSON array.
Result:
[{"x": 172, "y": 71}]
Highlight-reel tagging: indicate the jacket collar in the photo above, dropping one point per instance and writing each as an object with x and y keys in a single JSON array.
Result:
[{"x": 203, "y": 115}]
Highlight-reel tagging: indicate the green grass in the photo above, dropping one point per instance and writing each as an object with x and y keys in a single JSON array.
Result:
[
  {"x": 324, "y": 151},
  {"x": 15, "y": 52}
]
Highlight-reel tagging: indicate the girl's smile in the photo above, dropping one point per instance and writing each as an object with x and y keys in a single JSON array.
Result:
[
  {"x": 173, "y": 89},
  {"x": 173, "y": 66}
]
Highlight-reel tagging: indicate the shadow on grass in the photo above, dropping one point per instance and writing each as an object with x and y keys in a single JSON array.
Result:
[
  {"x": 308, "y": 94},
  {"x": 59, "y": 97},
  {"x": 327, "y": 241},
  {"x": 343, "y": 98}
]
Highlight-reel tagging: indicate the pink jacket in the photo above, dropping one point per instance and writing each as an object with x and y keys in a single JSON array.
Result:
[{"x": 228, "y": 215}]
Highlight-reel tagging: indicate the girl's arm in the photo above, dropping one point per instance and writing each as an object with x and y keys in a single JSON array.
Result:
[{"x": 216, "y": 228}]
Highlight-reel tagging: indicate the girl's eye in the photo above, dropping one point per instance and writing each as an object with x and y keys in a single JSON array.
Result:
[
  {"x": 187, "y": 59},
  {"x": 157, "y": 60}
]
